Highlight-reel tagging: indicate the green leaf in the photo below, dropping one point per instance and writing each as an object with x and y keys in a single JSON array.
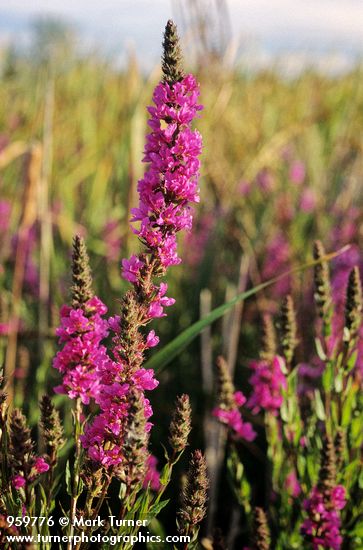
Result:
[
  {"x": 68, "y": 479},
  {"x": 155, "y": 509},
  {"x": 319, "y": 406},
  {"x": 163, "y": 357}
]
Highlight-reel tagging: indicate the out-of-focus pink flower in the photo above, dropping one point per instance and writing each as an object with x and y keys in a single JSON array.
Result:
[
  {"x": 265, "y": 181},
  {"x": 292, "y": 484},
  {"x": 297, "y": 172},
  {"x": 152, "y": 477},
  {"x": 5, "y": 211},
  {"x": 308, "y": 201},
  {"x": 268, "y": 382}
]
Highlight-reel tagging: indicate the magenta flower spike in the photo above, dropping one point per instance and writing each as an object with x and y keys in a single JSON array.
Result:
[{"x": 166, "y": 191}]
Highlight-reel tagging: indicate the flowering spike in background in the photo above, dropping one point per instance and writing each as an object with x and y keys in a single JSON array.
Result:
[
  {"x": 229, "y": 403},
  {"x": 323, "y": 293},
  {"x": 288, "y": 329},
  {"x": 353, "y": 306}
]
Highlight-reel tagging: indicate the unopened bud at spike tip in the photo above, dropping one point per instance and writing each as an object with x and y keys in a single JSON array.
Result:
[
  {"x": 172, "y": 56},
  {"x": 81, "y": 289}
]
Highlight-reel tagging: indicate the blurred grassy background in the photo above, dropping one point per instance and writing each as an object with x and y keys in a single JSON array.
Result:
[{"x": 282, "y": 165}]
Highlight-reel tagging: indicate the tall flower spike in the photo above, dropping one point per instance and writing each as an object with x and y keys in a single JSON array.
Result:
[
  {"x": 288, "y": 329},
  {"x": 322, "y": 526},
  {"x": 229, "y": 402},
  {"x": 323, "y": 293},
  {"x": 81, "y": 288},
  {"x": 172, "y": 56},
  {"x": 168, "y": 187},
  {"x": 353, "y": 306},
  {"x": 194, "y": 496},
  {"x": 180, "y": 425},
  {"x": 269, "y": 347},
  {"x": 261, "y": 532}
]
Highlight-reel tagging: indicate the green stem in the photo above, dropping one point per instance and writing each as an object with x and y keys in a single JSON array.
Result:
[{"x": 77, "y": 433}]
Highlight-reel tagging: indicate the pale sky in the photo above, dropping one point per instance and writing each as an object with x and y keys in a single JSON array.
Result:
[{"x": 288, "y": 27}]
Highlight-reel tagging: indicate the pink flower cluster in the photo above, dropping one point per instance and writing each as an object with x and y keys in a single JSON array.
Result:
[
  {"x": 322, "y": 527},
  {"x": 82, "y": 355},
  {"x": 103, "y": 438},
  {"x": 38, "y": 467},
  {"x": 233, "y": 418},
  {"x": 170, "y": 183},
  {"x": 268, "y": 382}
]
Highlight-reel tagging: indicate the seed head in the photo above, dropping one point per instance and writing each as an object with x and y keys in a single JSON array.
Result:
[
  {"x": 226, "y": 388},
  {"x": 261, "y": 532},
  {"x": 288, "y": 329},
  {"x": 322, "y": 294},
  {"x": 340, "y": 442},
  {"x": 327, "y": 473},
  {"x": 180, "y": 425},
  {"x": 353, "y": 306},
  {"x": 51, "y": 428},
  {"x": 269, "y": 347},
  {"x": 194, "y": 496},
  {"x": 21, "y": 445}
]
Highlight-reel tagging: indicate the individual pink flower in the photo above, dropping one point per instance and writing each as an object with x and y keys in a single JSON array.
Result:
[
  {"x": 40, "y": 465},
  {"x": 131, "y": 269}
]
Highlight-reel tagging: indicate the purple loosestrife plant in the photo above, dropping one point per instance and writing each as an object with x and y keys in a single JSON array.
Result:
[
  {"x": 165, "y": 192},
  {"x": 229, "y": 403}
]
